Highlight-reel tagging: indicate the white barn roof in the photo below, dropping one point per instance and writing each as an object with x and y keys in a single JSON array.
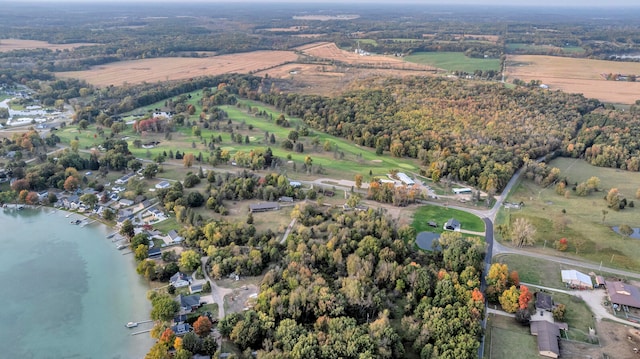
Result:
[{"x": 575, "y": 278}]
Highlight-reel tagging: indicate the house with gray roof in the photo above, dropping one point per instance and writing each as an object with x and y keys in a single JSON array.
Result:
[
  {"x": 181, "y": 329},
  {"x": 180, "y": 280},
  {"x": 452, "y": 225},
  {"x": 188, "y": 303},
  {"x": 548, "y": 337}
]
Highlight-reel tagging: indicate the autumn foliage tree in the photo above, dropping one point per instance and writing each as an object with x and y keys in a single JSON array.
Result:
[
  {"x": 524, "y": 298},
  {"x": 202, "y": 326},
  {"x": 496, "y": 280},
  {"x": 514, "y": 278},
  {"x": 71, "y": 183},
  {"x": 509, "y": 299}
]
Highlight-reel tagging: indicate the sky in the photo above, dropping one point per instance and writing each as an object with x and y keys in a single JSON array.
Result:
[{"x": 563, "y": 3}]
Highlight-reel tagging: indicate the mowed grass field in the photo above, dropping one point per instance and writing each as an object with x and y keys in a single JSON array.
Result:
[
  {"x": 343, "y": 161},
  {"x": 179, "y": 68},
  {"x": 575, "y": 75},
  {"x": 453, "y": 61},
  {"x": 588, "y": 232},
  {"x": 441, "y": 215}
]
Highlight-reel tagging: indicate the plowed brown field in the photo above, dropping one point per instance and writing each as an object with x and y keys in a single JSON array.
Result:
[
  {"x": 578, "y": 76},
  {"x": 16, "y": 44},
  {"x": 178, "y": 68}
]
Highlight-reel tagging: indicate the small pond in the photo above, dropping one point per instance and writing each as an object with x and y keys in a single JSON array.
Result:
[
  {"x": 424, "y": 240},
  {"x": 635, "y": 234}
]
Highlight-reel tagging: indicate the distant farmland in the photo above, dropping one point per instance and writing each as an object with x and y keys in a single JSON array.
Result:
[
  {"x": 578, "y": 76},
  {"x": 180, "y": 68},
  {"x": 16, "y": 44},
  {"x": 454, "y": 61}
]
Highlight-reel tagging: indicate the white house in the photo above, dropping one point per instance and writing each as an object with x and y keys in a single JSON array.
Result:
[
  {"x": 180, "y": 280},
  {"x": 174, "y": 237}
]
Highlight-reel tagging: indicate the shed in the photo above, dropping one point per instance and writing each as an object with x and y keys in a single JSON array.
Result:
[
  {"x": 575, "y": 279},
  {"x": 264, "y": 207},
  {"x": 452, "y": 225},
  {"x": 600, "y": 281}
]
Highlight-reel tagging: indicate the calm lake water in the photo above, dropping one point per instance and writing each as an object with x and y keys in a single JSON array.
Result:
[{"x": 66, "y": 291}]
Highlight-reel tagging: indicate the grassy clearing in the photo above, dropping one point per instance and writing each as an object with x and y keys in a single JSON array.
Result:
[
  {"x": 589, "y": 232},
  {"x": 441, "y": 215},
  {"x": 368, "y": 42},
  {"x": 454, "y": 61},
  {"x": 507, "y": 339},
  {"x": 578, "y": 316},
  {"x": 541, "y": 272}
]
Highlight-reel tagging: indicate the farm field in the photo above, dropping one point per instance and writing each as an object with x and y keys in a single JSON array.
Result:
[
  {"x": 329, "y": 51},
  {"x": 454, "y": 61},
  {"x": 179, "y": 68},
  {"x": 577, "y": 76},
  {"x": 7, "y": 45},
  {"x": 580, "y": 220}
]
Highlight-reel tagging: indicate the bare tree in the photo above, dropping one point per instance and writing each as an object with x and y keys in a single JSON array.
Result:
[{"x": 522, "y": 232}]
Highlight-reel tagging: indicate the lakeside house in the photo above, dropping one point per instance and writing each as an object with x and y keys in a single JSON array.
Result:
[
  {"x": 180, "y": 280},
  {"x": 188, "y": 303},
  {"x": 181, "y": 329}
]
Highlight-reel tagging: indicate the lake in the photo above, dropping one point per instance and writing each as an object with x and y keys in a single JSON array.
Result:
[{"x": 67, "y": 292}]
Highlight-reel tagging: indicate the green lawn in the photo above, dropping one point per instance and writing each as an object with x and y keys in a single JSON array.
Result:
[
  {"x": 441, "y": 215},
  {"x": 582, "y": 222},
  {"x": 454, "y": 61},
  {"x": 343, "y": 161},
  {"x": 507, "y": 339}
]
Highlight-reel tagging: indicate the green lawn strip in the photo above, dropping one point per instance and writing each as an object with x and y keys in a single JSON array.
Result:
[
  {"x": 507, "y": 339},
  {"x": 454, "y": 61},
  {"x": 211, "y": 307},
  {"x": 441, "y": 215},
  {"x": 542, "y": 272},
  {"x": 167, "y": 225}
]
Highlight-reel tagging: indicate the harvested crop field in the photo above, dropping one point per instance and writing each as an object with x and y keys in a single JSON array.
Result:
[
  {"x": 578, "y": 76},
  {"x": 329, "y": 51},
  {"x": 7, "y": 45},
  {"x": 328, "y": 80},
  {"x": 178, "y": 68}
]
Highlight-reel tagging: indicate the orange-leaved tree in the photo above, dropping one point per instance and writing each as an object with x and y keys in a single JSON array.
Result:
[{"x": 202, "y": 326}]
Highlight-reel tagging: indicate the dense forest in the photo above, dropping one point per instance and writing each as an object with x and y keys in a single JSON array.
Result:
[{"x": 333, "y": 290}]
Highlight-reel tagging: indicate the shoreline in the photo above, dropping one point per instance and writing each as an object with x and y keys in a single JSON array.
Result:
[{"x": 95, "y": 261}]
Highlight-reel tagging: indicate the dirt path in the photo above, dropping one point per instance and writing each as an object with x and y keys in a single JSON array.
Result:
[{"x": 217, "y": 293}]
